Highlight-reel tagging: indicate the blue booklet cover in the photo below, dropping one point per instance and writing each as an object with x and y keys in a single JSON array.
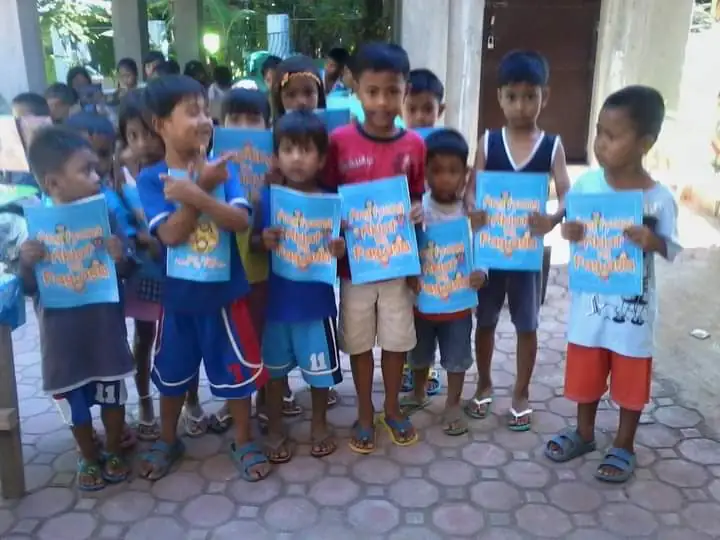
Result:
[
  {"x": 605, "y": 262},
  {"x": 78, "y": 269},
  {"x": 509, "y": 198},
  {"x": 205, "y": 257},
  {"x": 334, "y": 118},
  {"x": 380, "y": 238},
  {"x": 424, "y": 132},
  {"x": 309, "y": 222},
  {"x": 255, "y": 148},
  {"x": 446, "y": 260}
]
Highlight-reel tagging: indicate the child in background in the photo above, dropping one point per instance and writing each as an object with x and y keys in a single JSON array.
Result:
[
  {"x": 335, "y": 63},
  {"x": 379, "y": 312},
  {"x": 424, "y": 103},
  {"x": 298, "y": 86},
  {"x": 301, "y": 317},
  {"x": 520, "y": 146},
  {"x": 422, "y": 108},
  {"x": 202, "y": 322},
  {"x": 601, "y": 344},
  {"x": 142, "y": 298},
  {"x": 247, "y": 109},
  {"x": 62, "y": 100},
  {"x": 447, "y": 171},
  {"x": 80, "y": 373},
  {"x": 27, "y": 104},
  {"x": 268, "y": 70}
]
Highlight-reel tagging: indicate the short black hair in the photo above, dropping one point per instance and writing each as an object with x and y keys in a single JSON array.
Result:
[
  {"x": 74, "y": 72},
  {"x": 194, "y": 69},
  {"x": 167, "y": 67},
  {"x": 644, "y": 105},
  {"x": 379, "y": 56},
  {"x": 91, "y": 123},
  {"x": 296, "y": 64},
  {"x": 527, "y": 67},
  {"x": 302, "y": 128},
  {"x": 51, "y": 148},
  {"x": 153, "y": 56},
  {"x": 162, "y": 95},
  {"x": 447, "y": 141},
  {"x": 245, "y": 101},
  {"x": 339, "y": 55},
  {"x": 222, "y": 76},
  {"x": 63, "y": 92},
  {"x": 424, "y": 80},
  {"x": 129, "y": 64},
  {"x": 271, "y": 62},
  {"x": 36, "y": 104}
]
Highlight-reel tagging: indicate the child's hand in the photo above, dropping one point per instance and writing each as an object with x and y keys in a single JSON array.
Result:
[
  {"x": 31, "y": 253},
  {"x": 114, "y": 247},
  {"x": 573, "y": 231},
  {"x": 414, "y": 283},
  {"x": 643, "y": 237},
  {"x": 337, "y": 247},
  {"x": 180, "y": 190},
  {"x": 417, "y": 214},
  {"x": 477, "y": 279},
  {"x": 540, "y": 224},
  {"x": 210, "y": 174},
  {"x": 478, "y": 219},
  {"x": 271, "y": 238}
]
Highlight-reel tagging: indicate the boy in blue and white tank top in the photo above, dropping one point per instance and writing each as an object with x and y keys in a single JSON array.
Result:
[{"x": 520, "y": 146}]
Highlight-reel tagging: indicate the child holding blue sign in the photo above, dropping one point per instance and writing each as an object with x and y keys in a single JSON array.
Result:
[
  {"x": 300, "y": 330},
  {"x": 447, "y": 171},
  {"x": 81, "y": 373},
  {"x": 520, "y": 146},
  {"x": 379, "y": 312},
  {"x": 202, "y": 321},
  {"x": 611, "y": 337}
]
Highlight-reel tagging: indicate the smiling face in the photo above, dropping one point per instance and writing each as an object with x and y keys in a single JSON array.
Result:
[
  {"x": 189, "y": 127},
  {"x": 381, "y": 94}
]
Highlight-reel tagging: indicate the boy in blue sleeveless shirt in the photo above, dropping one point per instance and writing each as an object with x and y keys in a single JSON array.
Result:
[{"x": 520, "y": 146}]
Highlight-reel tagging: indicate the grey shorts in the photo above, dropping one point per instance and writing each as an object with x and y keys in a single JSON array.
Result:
[
  {"x": 453, "y": 338},
  {"x": 523, "y": 291}
]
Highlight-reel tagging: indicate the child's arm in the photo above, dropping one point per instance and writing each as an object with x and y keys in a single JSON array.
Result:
[
  {"x": 663, "y": 237},
  {"x": 561, "y": 177},
  {"x": 31, "y": 253},
  {"x": 470, "y": 202},
  {"x": 171, "y": 225}
]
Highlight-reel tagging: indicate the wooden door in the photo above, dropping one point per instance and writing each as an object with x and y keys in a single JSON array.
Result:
[{"x": 565, "y": 32}]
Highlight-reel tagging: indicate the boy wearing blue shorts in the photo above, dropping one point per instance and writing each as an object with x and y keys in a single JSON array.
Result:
[
  {"x": 206, "y": 321},
  {"x": 81, "y": 372},
  {"x": 300, "y": 329}
]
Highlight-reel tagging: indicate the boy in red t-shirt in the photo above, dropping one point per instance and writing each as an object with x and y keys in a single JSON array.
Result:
[{"x": 379, "y": 312}]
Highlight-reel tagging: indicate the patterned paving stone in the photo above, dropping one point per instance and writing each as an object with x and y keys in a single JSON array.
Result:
[{"x": 491, "y": 484}]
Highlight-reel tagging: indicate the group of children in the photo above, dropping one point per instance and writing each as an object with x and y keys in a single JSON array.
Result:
[{"x": 251, "y": 331}]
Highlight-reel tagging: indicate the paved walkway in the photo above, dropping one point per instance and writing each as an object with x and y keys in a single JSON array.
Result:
[{"x": 491, "y": 484}]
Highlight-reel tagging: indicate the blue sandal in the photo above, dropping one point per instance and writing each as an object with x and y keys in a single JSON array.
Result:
[
  {"x": 363, "y": 439},
  {"x": 247, "y": 456},
  {"x": 433, "y": 385},
  {"x": 571, "y": 445},
  {"x": 161, "y": 457},
  {"x": 401, "y": 426},
  {"x": 620, "y": 460},
  {"x": 114, "y": 462},
  {"x": 89, "y": 470}
]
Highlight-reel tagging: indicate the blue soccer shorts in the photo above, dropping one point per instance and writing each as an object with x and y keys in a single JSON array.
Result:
[
  {"x": 310, "y": 346},
  {"x": 223, "y": 341},
  {"x": 75, "y": 405}
]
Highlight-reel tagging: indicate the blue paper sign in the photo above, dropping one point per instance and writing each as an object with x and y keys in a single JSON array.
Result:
[
  {"x": 446, "y": 260},
  {"x": 334, "y": 118},
  {"x": 309, "y": 222},
  {"x": 77, "y": 270},
  {"x": 255, "y": 148},
  {"x": 606, "y": 262},
  {"x": 380, "y": 238},
  {"x": 424, "y": 132},
  {"x": 205, "y": 257},
  {"x": 509, "y": 198},
  {"x": 12, "y": 302}
]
